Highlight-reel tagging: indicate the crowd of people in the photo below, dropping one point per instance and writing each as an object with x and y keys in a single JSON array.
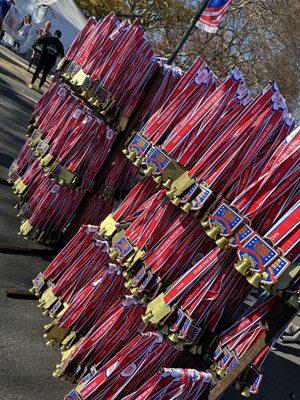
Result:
[{"x": 45, "y": 49}]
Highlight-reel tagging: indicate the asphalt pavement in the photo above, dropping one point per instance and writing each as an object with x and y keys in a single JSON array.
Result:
[{"x": 26, "y": 363}]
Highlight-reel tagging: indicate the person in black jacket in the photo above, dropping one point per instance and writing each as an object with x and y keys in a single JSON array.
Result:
[{"x": 51, "y": 49}]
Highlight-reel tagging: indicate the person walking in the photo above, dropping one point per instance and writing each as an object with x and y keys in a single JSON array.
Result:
[
  {"x": 52, "y": 48},
  {"x": 4, "y": 8},
  {"x": 23, "y": 32},
  {"x": 43, "y": 32}
]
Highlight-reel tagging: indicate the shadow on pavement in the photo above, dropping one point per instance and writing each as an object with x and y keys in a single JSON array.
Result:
[
  {"x": 26, "y": 362},
  {"x": 12, "y": 73},
  {"x": 281, "y": 378},
  {"x": 5, "y": 160},
  {"x": 288, "y": 349},
  {"x": 15, "y": 109}
]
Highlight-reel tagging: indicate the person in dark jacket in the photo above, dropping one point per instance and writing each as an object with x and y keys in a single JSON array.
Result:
[
  {"x": 41, "y": 34},
  {"x": 52, "y": 48}
]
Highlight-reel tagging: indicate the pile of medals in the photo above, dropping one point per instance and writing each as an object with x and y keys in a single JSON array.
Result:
[
  {"x": 137, "y": 302},
  {"x": 71, "y": 169},
  {"x": 106, "y": 348}
]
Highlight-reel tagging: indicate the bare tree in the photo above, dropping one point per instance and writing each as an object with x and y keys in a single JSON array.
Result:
[{"x": 261, "y": 37}]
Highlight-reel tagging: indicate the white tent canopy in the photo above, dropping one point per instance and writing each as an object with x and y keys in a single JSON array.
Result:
[{"x": 63, "y": 15}]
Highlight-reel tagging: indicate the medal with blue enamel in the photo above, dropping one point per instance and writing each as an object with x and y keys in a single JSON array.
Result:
[
  {"x": 218, "y": 353},
  {"x": 101, "y": 94},
  {"x": 139, "y": 145},
  {"x": 224, "y": 362},
  {"x": 86, "y": 84},
  {"x": 57, "y": 170},
  {"x": 202, "y": 198},
  {"x": 55, "y": 308},
  {"x": 39, "y": 282},
  {"x": 227, "y": 218},
  {"x": 193, "y": 333},
  {"x": 123, "y": 247},
  {"x": 190, "y": 193},
  {"x": 42, "y": 148},
  {"x": 259, "y": 252},
  {"x": 232, "y": 365},
  {"x": 254, "y": 388},
  {"x": 145, "y": 282},
  {"x": 139, "y": 277},
  {"x": 157, "y": 159},
  {"x": 179, "y": 317},
  {"x": 243, "y": 233},
  {"x": 275, "y": 270},
  {"x": 72, "y": 395},
  {"x": 185, "y": 328}
]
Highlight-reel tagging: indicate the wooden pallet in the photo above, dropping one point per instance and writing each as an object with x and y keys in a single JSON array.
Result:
[{"x": 275, "y": 321}]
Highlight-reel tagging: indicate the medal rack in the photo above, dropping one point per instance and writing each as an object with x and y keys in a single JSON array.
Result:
[
  {"x": 273, "y": 323},
  {"x": 222, "y": 222},
  {"x": 97, "y": 102},
  {"x": 100, "y": 281}
]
